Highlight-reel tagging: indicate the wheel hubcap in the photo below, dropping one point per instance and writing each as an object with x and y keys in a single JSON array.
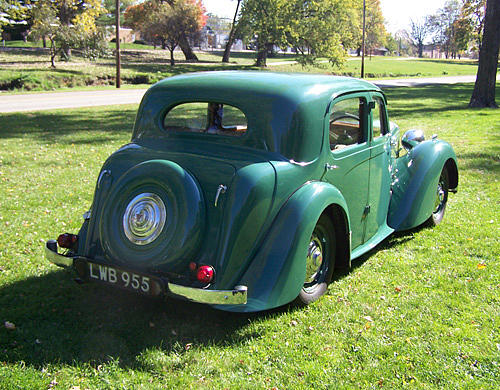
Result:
[
  {"x": 144, "y": 218},
  {"x": 440, "y": 196},
  {"x": 314, "y": 258}
]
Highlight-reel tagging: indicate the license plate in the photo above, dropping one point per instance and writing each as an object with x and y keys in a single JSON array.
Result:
[{"x": 144, "y": 284}]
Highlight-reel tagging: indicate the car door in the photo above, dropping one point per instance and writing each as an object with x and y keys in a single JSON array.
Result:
[
  {"x": 348, "y": 162},
  {"x": 380, "y": 157}
]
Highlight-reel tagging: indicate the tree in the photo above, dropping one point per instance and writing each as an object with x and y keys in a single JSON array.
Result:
[
  {"x": 324, "y": 28},
  {"x": 375, "y": 29},
  {"x": 170, "y": 23},
  {"x": 69, "y": 24},
  {"x": 12, "y": 12},
  {"x": 230, "y": 40},
  {"x": 473, "y": 12},
  {"x": 419, "y": 31},
  {"x": 391, "y": 44},
  {"x": 321, "y": 28},
  {"x": 265, "y": 20},
  {"x": 136, "y": 15},
  {"x": 405, "y": 43},
  {"x": 443, "y": 25},
  {"x": 484, "y": 88}
]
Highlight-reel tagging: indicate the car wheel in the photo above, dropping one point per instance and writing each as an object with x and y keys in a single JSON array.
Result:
[
  {"x": 320, "y": 261},
  {"x": 440, "y": 199}
]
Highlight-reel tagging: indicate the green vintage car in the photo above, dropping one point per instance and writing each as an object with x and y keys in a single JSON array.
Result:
[{"x": 247, "y": 190}]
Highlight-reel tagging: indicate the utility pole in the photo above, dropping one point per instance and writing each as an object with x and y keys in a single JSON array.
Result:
[
  {"x": 118, "y": 62},
  {"x": 363, "y": 42}
]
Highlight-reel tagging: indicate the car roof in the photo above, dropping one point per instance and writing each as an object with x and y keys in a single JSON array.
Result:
[
  {"x": 298, "y": 87},
  {"x": 285, "y": 111}
]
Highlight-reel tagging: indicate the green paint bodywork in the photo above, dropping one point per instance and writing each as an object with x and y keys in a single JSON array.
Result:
[{"x": 281, "y": 176}]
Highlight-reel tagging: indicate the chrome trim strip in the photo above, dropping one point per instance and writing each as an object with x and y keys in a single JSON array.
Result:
[
  {"x": 236, "y": 296},
  {"x": 56, "y": 258}
]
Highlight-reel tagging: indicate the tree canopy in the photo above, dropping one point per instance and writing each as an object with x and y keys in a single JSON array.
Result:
[
  {"x": 321, "y": 28},
  {"x": 144, "y": 16},
  {"x": 67, "y": 24}
]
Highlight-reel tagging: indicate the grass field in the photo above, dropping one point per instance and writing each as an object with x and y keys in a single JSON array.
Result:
[
  {"x": 28, "y": 68},
  {"x": 421, "y": 311}
]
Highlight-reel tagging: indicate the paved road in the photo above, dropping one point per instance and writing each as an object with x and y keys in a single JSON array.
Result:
[{"x": 58, "y": 100}]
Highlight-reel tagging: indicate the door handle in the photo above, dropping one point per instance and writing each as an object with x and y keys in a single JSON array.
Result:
[{"x": 220, "y": 190}]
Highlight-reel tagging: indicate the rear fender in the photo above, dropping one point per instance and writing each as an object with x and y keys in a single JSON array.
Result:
[
  {"x": 277, "y": 272},
  {"x": 415, "y": 179}
]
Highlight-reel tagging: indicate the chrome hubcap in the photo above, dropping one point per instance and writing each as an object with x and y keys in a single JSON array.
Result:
[
  {"x": 314, "y": 258},
  {"x": 440, "y": 195},
  {"x": 144, "y": 218}
]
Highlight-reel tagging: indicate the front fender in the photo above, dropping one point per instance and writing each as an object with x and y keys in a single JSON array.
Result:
[
  {"x": 277, "y": 272},
  {"x": 416, "y": 176}
]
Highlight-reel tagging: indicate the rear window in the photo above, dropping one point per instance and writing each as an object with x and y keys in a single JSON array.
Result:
[{"x": 206, "y": 117}]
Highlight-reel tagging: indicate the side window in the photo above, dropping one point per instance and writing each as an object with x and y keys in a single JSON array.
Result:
[
  {"x": 378, "y": 116},
  {"x": 346, "y": 123},
  {"x": 206, "y": 117}
]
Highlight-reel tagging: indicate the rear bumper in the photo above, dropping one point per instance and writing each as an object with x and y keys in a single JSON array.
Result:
[{"x": 236, "y": 296}]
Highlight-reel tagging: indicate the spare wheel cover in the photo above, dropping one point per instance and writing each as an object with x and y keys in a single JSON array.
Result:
[{"x": 153, "y": 216}]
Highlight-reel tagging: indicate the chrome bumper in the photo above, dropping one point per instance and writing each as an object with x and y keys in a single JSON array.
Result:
[
  {"x": 56, "y": 258},
  {"x": 236, "y": 296}
]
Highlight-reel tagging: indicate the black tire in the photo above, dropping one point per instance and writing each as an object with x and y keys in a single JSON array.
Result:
[
  {"x": 440, "y": 200},
  {"x": 318, "y": 275}
]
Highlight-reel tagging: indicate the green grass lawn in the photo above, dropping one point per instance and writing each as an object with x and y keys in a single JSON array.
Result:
[
  {"x": 28, "y": 68},
  {"x": 421, "y": 311}
]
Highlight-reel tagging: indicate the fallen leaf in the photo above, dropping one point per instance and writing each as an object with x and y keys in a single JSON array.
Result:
[
  {"x": 9, "y": 325},
  {"x": 397, "y": 289},
  {"x": 481, "y": 266}
]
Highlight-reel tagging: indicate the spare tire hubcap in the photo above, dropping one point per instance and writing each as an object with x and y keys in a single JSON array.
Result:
[{"x": 144, "y": 218}]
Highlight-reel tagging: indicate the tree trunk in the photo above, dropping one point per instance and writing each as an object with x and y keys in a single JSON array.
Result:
[
  {"x": 172, "y": 61},
  {"x": 420, "y": 49},
  {"x": 186, "y": 49},
  {"x": 230, "y": 40},
  {"x": 484, "y": 89},
  {"x": 261, "y": 56},
  {"x": 53, "y": 54}
]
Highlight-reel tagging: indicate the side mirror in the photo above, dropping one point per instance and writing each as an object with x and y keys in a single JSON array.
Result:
[{"x": 412, "y": 138}]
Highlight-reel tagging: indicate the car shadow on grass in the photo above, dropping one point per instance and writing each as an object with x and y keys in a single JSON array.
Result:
[
  {"x": 61, "y": 322},
  {"x": 397, "y": 238}
]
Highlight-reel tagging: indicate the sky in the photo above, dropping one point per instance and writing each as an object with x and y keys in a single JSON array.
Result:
[{"x": 396, "y": 12}]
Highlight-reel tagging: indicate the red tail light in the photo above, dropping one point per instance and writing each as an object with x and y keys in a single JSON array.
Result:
[
  {"x": 205, "y": 273},
  {"x": 67, "y": 240}
]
